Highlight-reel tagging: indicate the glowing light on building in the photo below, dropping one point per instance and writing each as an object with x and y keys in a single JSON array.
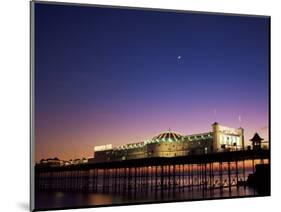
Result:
[{"x": 103, "y": 147}]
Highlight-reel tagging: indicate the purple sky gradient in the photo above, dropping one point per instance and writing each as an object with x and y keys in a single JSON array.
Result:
[{"x": 97, "y": 81}]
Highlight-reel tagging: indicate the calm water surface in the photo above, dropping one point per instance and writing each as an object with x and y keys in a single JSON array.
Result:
[{"x": 69, "y": 199}]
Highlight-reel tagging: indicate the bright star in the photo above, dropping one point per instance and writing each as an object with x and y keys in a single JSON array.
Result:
[{"x": 179, "y": 57}]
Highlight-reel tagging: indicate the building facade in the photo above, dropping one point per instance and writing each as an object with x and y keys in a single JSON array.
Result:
[{"x": 173, "y": 144}]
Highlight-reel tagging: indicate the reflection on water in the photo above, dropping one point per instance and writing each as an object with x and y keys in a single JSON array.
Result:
[
  {"x": 76, "y": 199},
  {"x": 143, "y": 185}
]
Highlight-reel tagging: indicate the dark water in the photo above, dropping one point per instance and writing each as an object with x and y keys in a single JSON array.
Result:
[
  {"x": 141, "y": 194},
  {"x": 69, "y": 199}
]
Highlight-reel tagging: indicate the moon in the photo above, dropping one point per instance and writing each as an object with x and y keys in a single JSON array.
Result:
[{"x": 179, "y": 57}]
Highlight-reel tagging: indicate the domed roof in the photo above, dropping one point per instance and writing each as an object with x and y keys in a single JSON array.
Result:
[{"x": 168, "y": 136}]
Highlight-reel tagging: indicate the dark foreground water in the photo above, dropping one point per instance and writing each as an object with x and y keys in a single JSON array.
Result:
[{"x": 45, "y": 200}]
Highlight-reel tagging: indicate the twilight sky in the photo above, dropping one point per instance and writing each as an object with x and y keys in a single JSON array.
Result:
[{"x": 120, "y": 76}]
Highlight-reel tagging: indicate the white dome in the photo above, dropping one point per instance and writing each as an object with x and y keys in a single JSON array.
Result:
[{"x": 168, "y": 136}]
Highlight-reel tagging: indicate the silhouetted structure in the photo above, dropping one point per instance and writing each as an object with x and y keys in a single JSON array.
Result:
[
  {"x": 256, "y": 142},
  {"x": 260, "y": 179},
  {"x": 205, "y": 172}
]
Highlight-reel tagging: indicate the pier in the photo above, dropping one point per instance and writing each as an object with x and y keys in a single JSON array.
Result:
[{"x": 205, "y": 172}]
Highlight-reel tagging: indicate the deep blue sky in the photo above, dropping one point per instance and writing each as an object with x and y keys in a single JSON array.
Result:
[{"x": 104, "y": 74}]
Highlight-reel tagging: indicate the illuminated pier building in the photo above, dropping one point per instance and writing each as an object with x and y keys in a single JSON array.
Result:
[{"x": 173, "y": 144}]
